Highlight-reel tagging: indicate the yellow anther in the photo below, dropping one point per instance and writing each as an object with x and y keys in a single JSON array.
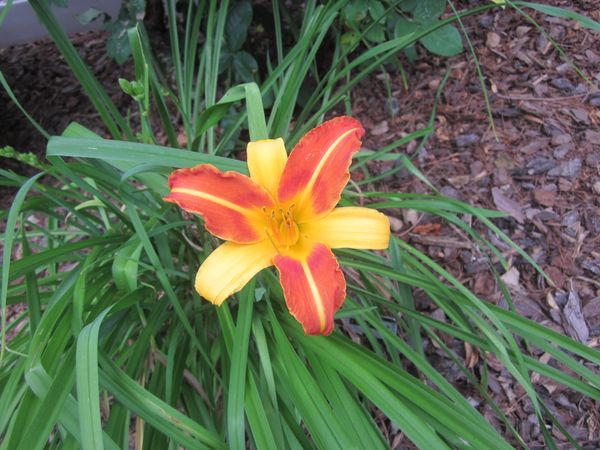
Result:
[{"x": 281, "y": 228}]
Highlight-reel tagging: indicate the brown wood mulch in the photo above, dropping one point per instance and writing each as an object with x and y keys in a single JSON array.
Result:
[{"x": 541, "y": 166}]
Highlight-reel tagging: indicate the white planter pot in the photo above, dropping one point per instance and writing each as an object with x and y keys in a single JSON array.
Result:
[{"x": 21, "y": 24}]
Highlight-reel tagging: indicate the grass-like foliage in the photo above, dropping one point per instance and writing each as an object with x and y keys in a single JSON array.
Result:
[{"x": 115, "y": 348}]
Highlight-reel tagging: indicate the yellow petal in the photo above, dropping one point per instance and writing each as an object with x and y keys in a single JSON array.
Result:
[
  {"x": 350, "y": 227},
  {"x": 228, "y": 269},
  {"x": 266, "y": 160}
]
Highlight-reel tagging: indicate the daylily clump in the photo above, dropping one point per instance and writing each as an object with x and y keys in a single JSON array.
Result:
[{"x": 284, "y": 215}]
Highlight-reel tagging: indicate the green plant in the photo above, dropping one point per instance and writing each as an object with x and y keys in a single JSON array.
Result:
[
  {"x": 116, "y": 345},
  {"x": 239, "y": 64},
  {"x": 131, "y": 12},
  {"x": 391, "y": 19}
]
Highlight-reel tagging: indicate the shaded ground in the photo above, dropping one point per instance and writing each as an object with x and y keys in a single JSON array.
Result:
[
  {"x": 44, "y": 84},
  {"x": 543, "y": 169}
]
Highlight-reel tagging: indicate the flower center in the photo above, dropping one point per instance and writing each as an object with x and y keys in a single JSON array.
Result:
[{"x": 281, "y": 227}]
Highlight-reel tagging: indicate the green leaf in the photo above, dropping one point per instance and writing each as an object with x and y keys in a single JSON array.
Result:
[
  {"x": 409, "y": 5},
  {"x": 564, "y": 13},
  {"x": 239, "y": 363},
  {"x": 63, "y": 253},
  {"x": 263, "y": 429},
  {"x": 153, "y": 410},
  {"x": 404, "y": 27},
  {"x": 318, "y": 417},
  {"x": 126, "y": 86},
  {"x": 225, "y": 60},
  {"x": 444, "y": 41},
  {"x": 245, "y": 66},
  {"x": 125, "y": 266},
  {"x": 377, "y": 10},
  {"x": 360, "y": 372},
  {"x": 33, "y": 294},
  {"x": 411, "y": 53},
  {"x": 236, "y": 27},
  {"x": 117, "y": 45},
  {"x": 429, "y": 10},
  {"x": 136, "y": 8},
  {"x": 355, "y": 12},
  {"x": 94, "y": 90},
  {"x": 40, "y": 383},
  {"x": 9, "y": 237},
  {"x": 110, "y": 150},
  {"x": 88, "y": 393},
  {"x": 349, "y": 40},
  {"x": 89, "y": 16},
  {"x": 390, "y": 21},
  {"x": 40, "y": 426},
  {"x": 256, "y": 116},
  {"x": 376, "y": 33}
]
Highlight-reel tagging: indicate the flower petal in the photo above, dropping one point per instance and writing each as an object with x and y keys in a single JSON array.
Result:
[
  {"x": 266, "y": 160},
  {"x": 314, "y": 287},
  {"x": 350, "y": 227},
  {"x": 317, "y": 169},
  {"x": 228, "y": 269},
  {"x": 229, "y": 202}
]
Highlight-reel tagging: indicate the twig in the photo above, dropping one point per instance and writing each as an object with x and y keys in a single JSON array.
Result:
[
  {"x": 589, "y": 280},
  {"x": 540, "y": 99},
  {"x": 444, "y": 158},
  {"x": 442, "y": 241}
]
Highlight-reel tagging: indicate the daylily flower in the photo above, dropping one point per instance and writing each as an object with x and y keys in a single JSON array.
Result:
[{"x": 283, "y": 215}]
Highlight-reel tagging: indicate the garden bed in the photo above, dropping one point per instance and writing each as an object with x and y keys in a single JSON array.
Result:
[{"x": 541, "y": 165}]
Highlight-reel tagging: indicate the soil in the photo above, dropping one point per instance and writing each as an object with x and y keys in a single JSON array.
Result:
[{"x": 539, "y": 162}]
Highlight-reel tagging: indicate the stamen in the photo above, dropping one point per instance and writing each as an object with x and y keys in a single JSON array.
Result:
[
  {"x": 272, "y": 240},
  {"x": 281, "y": 228}
]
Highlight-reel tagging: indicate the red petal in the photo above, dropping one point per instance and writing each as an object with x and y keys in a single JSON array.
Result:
[
  {"x": 229, "y": 202},
  {"x": 317, "y": 169},
  {"x": 314, "y": 288}
]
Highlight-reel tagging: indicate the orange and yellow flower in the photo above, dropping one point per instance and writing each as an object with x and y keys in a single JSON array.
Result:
[{"x": 284, "y": 215}]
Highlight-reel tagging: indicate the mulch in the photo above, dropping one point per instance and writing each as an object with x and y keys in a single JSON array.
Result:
[
  {"x": 540, "y": 163},
  {"x": 44, "y": 84}
]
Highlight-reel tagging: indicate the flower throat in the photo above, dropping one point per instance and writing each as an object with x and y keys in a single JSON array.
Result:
[{"x": 281, "y": 227}]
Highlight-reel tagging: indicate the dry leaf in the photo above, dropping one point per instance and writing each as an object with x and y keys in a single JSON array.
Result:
[
  {"x": 511, "y": 278},
  {"x": 380, "y": 128},
  {"x": 428, "y": 228},
  {"x": 471, "y": 356},
  {"x": 544, "y": 197},
  {"x": 508, "y": 205},
  {"x": 575, "y": 323}
]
